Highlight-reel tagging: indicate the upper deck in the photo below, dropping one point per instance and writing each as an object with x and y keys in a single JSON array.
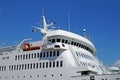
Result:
[{"x": 72, "y": 37}]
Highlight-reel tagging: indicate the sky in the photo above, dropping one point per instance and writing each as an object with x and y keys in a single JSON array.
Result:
[{"x": 101, "y": 19}]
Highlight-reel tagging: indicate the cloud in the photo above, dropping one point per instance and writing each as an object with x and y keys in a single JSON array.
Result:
[{"x": 117, "y": 63}]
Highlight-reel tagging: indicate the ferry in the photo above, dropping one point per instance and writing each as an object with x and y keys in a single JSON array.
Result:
[{"x": 59, "y": 55}]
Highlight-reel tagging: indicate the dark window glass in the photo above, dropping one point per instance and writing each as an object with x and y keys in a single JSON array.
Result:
[
  {"x": 57, "y": 65},
  {"x": 43, "y": 65},
  {"x": 58, "y": 40},
  {"x": 63, "y": 40},
  {"x": 41, "y": 55},
  {"x": 46, "y": 64},
  {"x": 37, "y": 65},
  {"x": 38, "y": 55},
  {"x": 50, "y": 53},
  {"x": 50, "y": 64},
  {"x": 53, "y": 40},
  {"x": 58, "y": 53},
  {"x": 16, "y": 57},
  {"x": 40, "y": 65},
  {"x": 34, "y": 55},
  {"x": 66, "y": 41},
  {"x": 47, "y": 54},
  {"x": 54, "y": 53},
  {"x": 26, "y": 56},
  {"x": 61, "y": 63},
  {"x": 33, "y": 65},
  {"x": 23, "y": 57},
  {"x": 53, "y": 64},
  {"x": 29, "y": 56}
]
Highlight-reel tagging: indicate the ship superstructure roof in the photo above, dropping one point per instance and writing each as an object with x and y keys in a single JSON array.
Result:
[{"x": 73, "y": 36}]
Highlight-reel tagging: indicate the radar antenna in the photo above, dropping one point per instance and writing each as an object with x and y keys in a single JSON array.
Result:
[{"x": 84, "y": 32}]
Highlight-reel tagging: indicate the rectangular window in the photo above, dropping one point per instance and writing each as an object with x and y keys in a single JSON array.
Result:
[
  {"x": 50, "y": 53},
  {"x": 40, "y": 65},
  {"x": 57, "y": 65},
  {"x": 36, "y": 65},
  {"x": 23, "y": 57},
  {"x": 58, "y": 40},
  {"x": 34, "y": 55},
  {"x": 47, "y": 54},
  {"x": 41, "y": 55},
  {"x": 58, "y": 53},
  {"x": 29, "y": 56},
  {"x": 16, "y": 57},
  {"x": 46, "y": 64},
  {"x": 28, "y": 66},
  {"x": 50, "y": 64},
  {"x": 33, "y": 65},
  {"x": 53, "y": 64},
  {"x": 22, "y": 66},
  {"x": 53, "y": 40},
  {"x": 43, "y": 65},
  {"x": 26, "y": 56},
  {"x": 61, "y": 63},
  {"x": 54, "y": 53},
  {"x": 63, "y": 40},
  {"x": 38, "y": 55},
  {"x": 25, "y": 66},
  {"x": 17, "y": 67}
]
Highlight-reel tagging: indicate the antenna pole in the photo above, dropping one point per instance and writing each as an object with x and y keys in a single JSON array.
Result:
[{"x": 69, "y": 21}]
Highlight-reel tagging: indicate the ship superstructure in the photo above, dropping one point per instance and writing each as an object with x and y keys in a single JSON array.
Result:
[{"x": 60, "y": 55}]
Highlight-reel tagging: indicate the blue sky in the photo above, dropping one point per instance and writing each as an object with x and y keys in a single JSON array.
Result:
[{"x": 101, "y": 18}]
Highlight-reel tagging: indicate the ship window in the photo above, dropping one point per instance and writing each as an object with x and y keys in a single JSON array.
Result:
[
  {"x": 57, "y": 65},
  {"x": 63, "y": 40},
  {"x": 44, "y": 54},
  {"x": 19, "y": 67},
  {"x": 40, "y": 65},
  {"x": 72, "y": 43},
  {"x": 23, "y": 57},
  {"x": 66, "y": 41},
  {"x": 50, "y": 53},
  {"x": 61, "y": 63},
  {"x": 46, "y": 64},
  {"x": 26, "y": 56},
  {"x": 25, "y": 66},
  {"x": 60, "y": 74},
  {"x": 58, "y": 40},
  {"x": 50, "y": 64},
  {"x": 32, "y": 55},
  {"x": 29, "y": 56},
  {"x": 28, "y": 66},
  {"x": 15, "y": 57},
  {"x": 0, "y": 68},
  {"x": 53, "y": 64},
  {"x": 41, "y": 55},
  {"x": 43, "y": 65},
  {"x": 53, "y": 40},
  {"x": 37, "y": 55},
  {"x": 57, "y": 53},
  {"x": 33, "y": 65},
  {"x": 37, "y": 65},
  {"x": 47, "y": 53},
  {"x": 54, "y": 53}
]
